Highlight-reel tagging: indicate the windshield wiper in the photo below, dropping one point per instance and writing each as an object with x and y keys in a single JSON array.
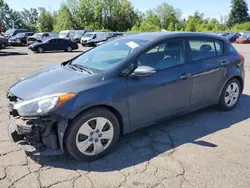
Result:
[
  {"x": 72, "y": 67},
  {"x": 82, "y": 68}
]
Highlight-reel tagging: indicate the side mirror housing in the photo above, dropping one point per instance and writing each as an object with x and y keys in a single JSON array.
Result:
[{"x": 144, "y": 71}]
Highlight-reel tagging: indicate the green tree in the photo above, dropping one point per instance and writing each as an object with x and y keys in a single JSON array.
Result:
[
  {"x": 239, "y": 12},
  {"x": 45, "y": 20},
  {"x": 167, "y": 14},
  {"x": 64, "y": 19}
]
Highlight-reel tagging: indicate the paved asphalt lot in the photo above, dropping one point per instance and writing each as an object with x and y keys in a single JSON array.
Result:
[{"x": 205, "y": 149}]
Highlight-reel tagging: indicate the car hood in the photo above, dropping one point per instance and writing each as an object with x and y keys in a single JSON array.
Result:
[
  {"x": 86, "y": 38},
  {"x": 51, "y": 80}
]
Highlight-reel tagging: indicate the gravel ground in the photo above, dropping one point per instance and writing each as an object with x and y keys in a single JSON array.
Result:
[{"x": 205, "y": 149}]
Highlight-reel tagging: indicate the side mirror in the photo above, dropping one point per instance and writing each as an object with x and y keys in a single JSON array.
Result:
[{"x": 144, "y": 71}]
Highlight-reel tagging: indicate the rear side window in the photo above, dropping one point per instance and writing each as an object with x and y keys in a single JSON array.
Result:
[{"x": 202, "y": 49}]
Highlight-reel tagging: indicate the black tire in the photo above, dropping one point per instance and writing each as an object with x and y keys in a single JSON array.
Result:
[
  {"x": 75, "y": 125},
  {"x": 40, "y": 50},
  {"x": 222, "y": 103},
  {"x": 69, "y": 49},
  {"x": 2, "y": 46}
]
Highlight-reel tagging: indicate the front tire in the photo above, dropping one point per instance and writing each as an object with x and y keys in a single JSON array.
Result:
[
  {"x": 2, "y": 46},
  {"x": 92, "y": 134},
  {"x": 230, "y": 95}
]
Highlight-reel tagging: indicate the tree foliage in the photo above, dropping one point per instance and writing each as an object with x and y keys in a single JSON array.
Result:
[
  {"x": 120, "y": 15},
  {"x": 45, "y": 21},
  {"x": 239, "y": 12}
]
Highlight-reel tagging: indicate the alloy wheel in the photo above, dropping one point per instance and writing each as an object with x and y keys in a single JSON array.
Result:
[
  {"x": 232, "y": 94},
  {"x": 94, "y": 136}
]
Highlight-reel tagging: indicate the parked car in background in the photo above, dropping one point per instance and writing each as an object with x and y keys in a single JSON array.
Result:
[
  {"x": 20, "y": 38},
  {"x": 38, "y": 37},
  {"x": 12, "y": 32},
  {"x": 54, "y": 44},
  {"x": 243, "y": 39},
  {"x": 79, "y": 34},
  {"x": 3, "y": 43},
  {"x": 92, "y": 38},
  {"x": 67, "y": 34},
  {"x": 54, "y": 35},
  {"x": 110, "y": 39},
  {"x": 232, "y": 37},
  {"x": 82, "y": 106}
]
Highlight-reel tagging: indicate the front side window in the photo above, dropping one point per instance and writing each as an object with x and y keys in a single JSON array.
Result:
[
  {"x": 164, "y": 56},
  {"x": 202, "y": 49},
  {"x": 53, "y": 41}
]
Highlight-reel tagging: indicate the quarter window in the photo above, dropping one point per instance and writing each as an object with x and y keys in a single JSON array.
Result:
[
  {"x": 166, "y": 55},
  {"x": 219, "y": 47}
]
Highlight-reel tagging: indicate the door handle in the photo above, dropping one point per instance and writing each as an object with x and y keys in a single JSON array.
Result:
[
  {"x": 224, "y": 63},
  {"x": 185, "y": 76}
]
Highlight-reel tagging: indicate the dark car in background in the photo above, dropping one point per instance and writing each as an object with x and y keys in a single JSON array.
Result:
[
  {"x": 79, "y": 34},
  {"x": 54, "y": 44},
  {"x": 12, "y": 32},
  {"x": 232, "y": 37},
  {"x": 83, "y": 105},
  {"x": 20, "y": 38},
  {"x": 3, "y": 43}
]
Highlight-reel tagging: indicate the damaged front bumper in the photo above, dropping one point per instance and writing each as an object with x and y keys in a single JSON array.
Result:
[{"x": 37, "y": 135}]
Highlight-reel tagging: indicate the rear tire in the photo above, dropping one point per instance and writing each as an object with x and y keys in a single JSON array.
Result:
[
  {"x": 69, "y": 49},
  {"x": 230, "y": 95},
  {"x": 92, "y": 134},
  {"x": 40, "y": 50}
]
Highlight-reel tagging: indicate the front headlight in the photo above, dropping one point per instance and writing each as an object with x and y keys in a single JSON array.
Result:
[{"x": 42, "y": 105}]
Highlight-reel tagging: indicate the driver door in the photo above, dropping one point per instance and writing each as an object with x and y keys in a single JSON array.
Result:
[{"x": 167, "y": 92}]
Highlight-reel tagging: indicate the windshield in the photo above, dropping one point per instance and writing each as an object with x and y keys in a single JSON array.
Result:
[
  {"x": 37, "y": 35},
  {"x": 63, "y": 34},
  {"x": 9, "y": 32},
  {"x": 107, "y": 55},
  {"x": 20, "y": 34},
  {"x": 79, "y": 33},
  {"x": 88, "y": 35}
]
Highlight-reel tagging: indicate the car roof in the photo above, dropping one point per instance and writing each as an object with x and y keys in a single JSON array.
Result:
[{"x": 165, "y": 35}]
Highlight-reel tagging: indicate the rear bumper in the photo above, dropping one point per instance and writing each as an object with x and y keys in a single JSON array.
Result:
[{"x": 36, "y": 136}]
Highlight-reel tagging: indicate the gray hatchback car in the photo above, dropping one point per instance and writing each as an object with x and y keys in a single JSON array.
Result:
[{"x": 82, "y": 106}]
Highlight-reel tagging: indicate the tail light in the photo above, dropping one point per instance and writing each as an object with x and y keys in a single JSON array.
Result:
[{"x": 242, "y": 58}]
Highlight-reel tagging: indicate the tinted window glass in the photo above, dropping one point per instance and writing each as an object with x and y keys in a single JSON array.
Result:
[
  {"x": 164, "y": 56},
  {"x": 52, "y": 41},
  {"x": 61, "y": 41},
  {"x": 46, "y": 35},
  {"x": 202, "y": 49},
  {"x": 219, "y": 47}
]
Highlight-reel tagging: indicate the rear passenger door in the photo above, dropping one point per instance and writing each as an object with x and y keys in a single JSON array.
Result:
[
  {"x": 207, "y": 61},
  {"x": 61, "y": 44}
]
